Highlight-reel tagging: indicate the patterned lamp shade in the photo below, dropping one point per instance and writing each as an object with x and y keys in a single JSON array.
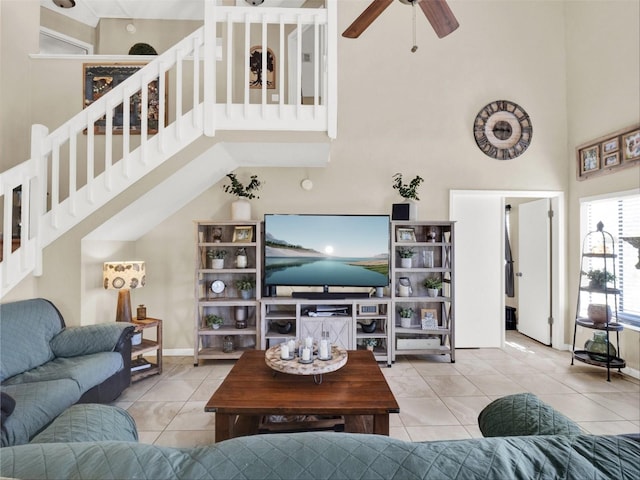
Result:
[
  {"x": 119, "y": 275},
  {"x": 123, "y": 276}
]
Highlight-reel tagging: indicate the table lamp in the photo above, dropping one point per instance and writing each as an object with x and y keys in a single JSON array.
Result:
[{"x": 123, "y": 276}]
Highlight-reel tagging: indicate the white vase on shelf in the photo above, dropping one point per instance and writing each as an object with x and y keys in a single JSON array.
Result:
[
  {"x": 413, "y": 209},
  {"x": 241, "y": 210}
]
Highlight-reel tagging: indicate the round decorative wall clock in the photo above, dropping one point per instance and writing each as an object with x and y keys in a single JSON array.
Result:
[{"x": 502, "y": 130}]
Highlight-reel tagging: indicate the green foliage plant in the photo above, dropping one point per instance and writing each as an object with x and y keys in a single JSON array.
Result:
[
  {"x": 410, "y": 190},
  {"x": 406, "y": 252},
  {"x": 238, "y": 189}
]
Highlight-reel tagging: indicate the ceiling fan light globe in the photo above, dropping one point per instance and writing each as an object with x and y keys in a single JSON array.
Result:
[{"x": 255, "y": 3}]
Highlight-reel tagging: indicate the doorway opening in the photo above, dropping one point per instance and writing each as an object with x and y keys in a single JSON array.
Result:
[{"x": 480, "y": 261}]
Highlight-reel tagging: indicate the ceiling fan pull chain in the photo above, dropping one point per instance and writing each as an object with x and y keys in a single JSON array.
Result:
[{"x": 415, "y": 47}]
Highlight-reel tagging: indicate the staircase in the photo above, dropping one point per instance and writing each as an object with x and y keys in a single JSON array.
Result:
[{"x": 73, "y": 171}]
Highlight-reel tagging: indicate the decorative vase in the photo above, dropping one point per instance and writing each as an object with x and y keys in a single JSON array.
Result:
[
  {"x": 432, "y": 292},
  {"x": 284, "y": 328},
  {"x": 241, "y": 261},
  {"x": 405, "y": 322},
  {"x": 227, "y": 344},
  {"x": 241, "y": 210},
  {"x": 215, "y": 326},
  {"x": 370, "y": 348},
  {"x": 369, "y": 327},
  {"x": 599, "y": 313},
  {"x": 405, "y": 262},
  {"x": 245, "y": 294},
  {"x": 413, "y": 209},
  {"x": 598, "y": 347},
  {"x": 217, "y": 263},
  {"x": 404, "y": 287}
]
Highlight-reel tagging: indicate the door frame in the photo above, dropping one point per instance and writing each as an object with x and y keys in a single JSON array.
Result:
[{"x": 558, "y": 254}]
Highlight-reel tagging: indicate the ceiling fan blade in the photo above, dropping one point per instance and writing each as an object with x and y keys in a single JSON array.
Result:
[
  {"x": 366, "y": 18},
  {"x": 440, "y": 16}
]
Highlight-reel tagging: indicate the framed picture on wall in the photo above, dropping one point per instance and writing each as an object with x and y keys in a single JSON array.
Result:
[
  {"x": 589, "y": 159},
  {"x": 98, "y": 79},
  {"x": 609, "y": 153},
  {"x": 631, "y": 145},
  {"x": 256, "y": 69},
  {"x": 611, "y": 145},
  {"x": 611, "y": 159}
]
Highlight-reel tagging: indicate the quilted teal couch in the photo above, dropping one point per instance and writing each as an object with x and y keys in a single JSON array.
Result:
[
  {"x": 104, "y": 447},
  {"x": 45, "y": 368}
]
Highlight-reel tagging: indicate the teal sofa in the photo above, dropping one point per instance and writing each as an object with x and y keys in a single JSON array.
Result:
[
  {"x": 104, "y": 447},
  {"x": 45, "y": 368}
]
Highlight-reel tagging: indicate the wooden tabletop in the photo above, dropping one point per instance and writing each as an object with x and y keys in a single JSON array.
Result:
[{"x": 251, "y": 387}]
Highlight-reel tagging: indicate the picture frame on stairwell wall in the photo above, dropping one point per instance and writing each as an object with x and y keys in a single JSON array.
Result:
[
  {"x": 98, "y": 79},
  {"x": 255, "y": 68}
]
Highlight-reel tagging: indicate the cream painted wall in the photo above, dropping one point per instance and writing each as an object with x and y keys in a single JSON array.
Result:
[
  {"x": 603, "y": 74},
  {"x": 398, "y": 111},
  {"x": 61, "y": 23},
  {"x": 18, "y": 20}
]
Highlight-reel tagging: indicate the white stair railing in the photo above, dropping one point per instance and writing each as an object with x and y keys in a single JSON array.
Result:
[{"x": 73, "y": 171}]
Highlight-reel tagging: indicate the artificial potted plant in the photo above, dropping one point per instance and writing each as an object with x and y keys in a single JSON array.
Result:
[
  {"x": 408, "y": 191},
  {"x": 406, "y": 313},
  {"x": 241, "y": 208},
  {"x": 433, "y": 285},
  {"x": 406, "y": 255},
  {"x": 599, "y": 278},
  {"x": 245, "y": 285},
  {"x": 213, "y": 321},
  {"x": 371, "y": 343},
  {"x": 216, "y": 256}
]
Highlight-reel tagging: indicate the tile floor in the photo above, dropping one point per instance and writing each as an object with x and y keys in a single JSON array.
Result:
[{"x": 438, "y": 399}]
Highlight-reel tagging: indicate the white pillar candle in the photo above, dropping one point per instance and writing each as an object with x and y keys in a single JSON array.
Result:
[
  {"x": 284, "y": 350},
  {"x": 306, "y": 354},
  {"x": 324, "y": 349},
  {"x": 308, "y": 342},
  {"x": 292, "y": 345}
]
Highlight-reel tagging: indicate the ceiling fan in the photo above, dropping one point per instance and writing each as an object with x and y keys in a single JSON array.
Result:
[{"x": 437, "y": 12}]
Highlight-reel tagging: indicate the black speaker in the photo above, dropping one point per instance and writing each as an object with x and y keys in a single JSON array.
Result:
[{"x": 400, "y": 211}]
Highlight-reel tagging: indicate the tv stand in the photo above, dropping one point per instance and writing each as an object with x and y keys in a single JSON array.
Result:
[{"x": 353, "y": 324}]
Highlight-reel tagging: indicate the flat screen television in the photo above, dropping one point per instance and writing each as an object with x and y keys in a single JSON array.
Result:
[{"x": 326, "y": 250}]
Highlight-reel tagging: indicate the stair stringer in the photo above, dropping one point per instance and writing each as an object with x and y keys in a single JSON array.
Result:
[{"x": 204, "y": 171}]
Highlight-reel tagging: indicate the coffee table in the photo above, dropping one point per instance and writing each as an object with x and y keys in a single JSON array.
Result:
[{"x": 358, "y": 392}]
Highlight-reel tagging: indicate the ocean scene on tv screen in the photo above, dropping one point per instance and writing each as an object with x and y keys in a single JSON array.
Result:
[{"x": 336, "y": 250}]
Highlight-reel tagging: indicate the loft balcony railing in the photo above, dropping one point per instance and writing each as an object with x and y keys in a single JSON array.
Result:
[{"x": 211, "y": 80}]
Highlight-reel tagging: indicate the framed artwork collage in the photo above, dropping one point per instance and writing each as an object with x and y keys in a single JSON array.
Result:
[{"x": 608, "y": 153}]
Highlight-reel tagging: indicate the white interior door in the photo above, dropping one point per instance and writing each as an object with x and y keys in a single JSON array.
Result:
[
  {"x": 534, "y": 270},
  {"x": 479, "y": 269}
]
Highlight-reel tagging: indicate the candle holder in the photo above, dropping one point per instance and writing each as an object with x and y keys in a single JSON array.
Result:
[
  {"x": 324, "y": 348},
  {"x": 306, "y": 355}
]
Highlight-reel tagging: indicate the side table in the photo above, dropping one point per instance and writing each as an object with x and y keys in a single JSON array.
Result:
[{"x": 137, "y": 351}]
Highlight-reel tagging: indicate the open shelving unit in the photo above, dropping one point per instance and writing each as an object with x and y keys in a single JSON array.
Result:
[
  {"x": 228, "y": 303},
  {"x": 432, "y": 242}
]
